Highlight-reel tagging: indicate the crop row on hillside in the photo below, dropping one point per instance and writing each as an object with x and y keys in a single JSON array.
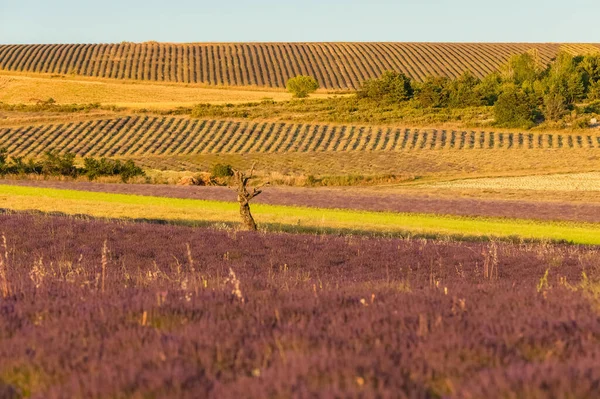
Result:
[
  {"x": 144, "y": 135},
  {"x": 334, "y": 65}
]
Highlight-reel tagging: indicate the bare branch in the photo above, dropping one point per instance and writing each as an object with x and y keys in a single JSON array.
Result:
[{"x": 252, "y": 170}]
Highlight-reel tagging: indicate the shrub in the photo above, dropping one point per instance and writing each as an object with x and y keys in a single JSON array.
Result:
[
  {"x": 433, "y": 92},
  {"x": 515, "y": 108},
  {"x": 594, "y": 91},
  {"x": 592, "y": 108},
  {"x": 3, "y": 159},
  {"x": 522, "y": 68},
  {"x": 581, "y": 123},
  {"x": 94, "y": 168},
  {"x": 129, "y": 170},
  {"x": 391, "y": 86},
  {"x": 56, "y": 164},
  {"x": 301, "y": 86},
  {"x": 554, "y": 107},
  {"x": 489, "y": 88},
  {"x": 462, "y": 92},
  {"x": 220, "y": 170}
]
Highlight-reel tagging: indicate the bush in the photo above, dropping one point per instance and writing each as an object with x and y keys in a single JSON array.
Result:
[
  {"x": 55, "y": 164},
  {"x": 220, "y": 170},
  {"x": 515, "y": 108},
  {"x": 463, "y": 91},
  {"x": 129, "y": 170},
  {"x": 391, "y": 86},
  {"x": 592, "y": 108},
  {"x": 94, "y": 168},
  {"x": 554, "y": 107},
  {"x": 301, "y": 86},
  {"x": 433, "y": 92}
]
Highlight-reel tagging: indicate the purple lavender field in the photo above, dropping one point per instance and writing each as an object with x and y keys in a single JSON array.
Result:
[{"x": 92, "y": 309}]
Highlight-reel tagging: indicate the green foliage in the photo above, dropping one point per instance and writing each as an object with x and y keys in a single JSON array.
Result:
[
  {"x": 50, "y": 105},
  {"x": 515, "y": 108},
  {"x": 594, "y": 90},
  {"x": 54, "y": 163},
  {"x": 563, "y": 79},
  {"x": 521, "y": 68},
  {"x": 463, "y": 92},
  {"x": 301, "y": 86},
  {"x": 129, "y": 170},
  {"x": 589, "y": 68},
  {"x": 433, "y": 92},
  {"x": 531, "y": 92},
  {"x": 348, "y": 109},
  {"x": 3, "y": 159},
  {"x": 592, "y": 108},
  {"x": 94, "y": 168},
  {"x": 390, "y": 87},
  {"x": 220, "y": 170},
  {"x": 490, "y": 88},
  {"x": 555, "y": 106}
]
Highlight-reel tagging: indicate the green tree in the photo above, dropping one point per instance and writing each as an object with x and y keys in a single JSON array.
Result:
[
  {"x": 563, "y": 78},
  {"x": 594, "y": 91},
  {"x": 522, "y": 68},
  {"x": 391, "y": 87},
  {"x": 555, "y": 106},
  {"x": 433, "y": 92},
  {"x": 589, "y": 67},
  {"x": 301, "y": 86},
  {"x": 463, "y": 91},
  {"x": 489, "y": 88},
  {"x": 515, "y": 108}
]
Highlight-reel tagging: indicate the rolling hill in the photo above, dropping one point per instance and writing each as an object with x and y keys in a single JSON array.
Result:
[{"x": 335, "y": 65}]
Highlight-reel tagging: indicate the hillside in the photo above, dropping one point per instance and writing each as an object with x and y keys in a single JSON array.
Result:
[
  {"x": 335, "y": 65},
  {"x": 144, "y": 135}
]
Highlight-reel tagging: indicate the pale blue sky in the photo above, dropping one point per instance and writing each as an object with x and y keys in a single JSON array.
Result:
[{"x": 83, "y": 21}]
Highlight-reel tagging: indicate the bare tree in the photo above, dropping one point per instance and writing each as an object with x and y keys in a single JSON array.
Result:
[{"x": 244, "y": 196}]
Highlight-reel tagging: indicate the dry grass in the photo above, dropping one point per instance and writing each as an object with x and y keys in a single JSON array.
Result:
[
  {"x": 575, "y": 182},
  {"x": 421, "y": 166},
  {"x": 24, "y": 89}
]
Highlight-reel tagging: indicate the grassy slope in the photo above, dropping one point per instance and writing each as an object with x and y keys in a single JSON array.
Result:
[
  {"x": 28, "y": 88},
  {"x": 131, "y": 206}
]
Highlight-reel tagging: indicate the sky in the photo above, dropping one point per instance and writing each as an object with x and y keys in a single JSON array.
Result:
[{"x": 107, "y": 21}]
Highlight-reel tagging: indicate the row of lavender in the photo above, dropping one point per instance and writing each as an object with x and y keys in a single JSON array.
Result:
[{"x": 97, "y": 309}]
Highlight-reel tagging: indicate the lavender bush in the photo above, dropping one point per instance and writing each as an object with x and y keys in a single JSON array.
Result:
[{"x": 96, "y": 309}]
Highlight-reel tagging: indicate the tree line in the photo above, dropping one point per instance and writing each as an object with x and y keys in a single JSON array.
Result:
[{"x": 523, "y": 92}]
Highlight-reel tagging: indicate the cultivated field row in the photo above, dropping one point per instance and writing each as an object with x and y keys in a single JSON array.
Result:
[
  {"x": 375, "y": 200},
  {"x": 334, "y": 65},
  {"x": 144, "y": 135}
]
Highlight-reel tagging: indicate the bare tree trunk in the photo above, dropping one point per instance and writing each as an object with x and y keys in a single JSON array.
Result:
[
  {"x": 244, "y": 197},
  {"x": 247, "y": 219}
]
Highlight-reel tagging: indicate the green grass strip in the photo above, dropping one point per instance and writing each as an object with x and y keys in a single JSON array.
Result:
[{"x": 189, "y": 210}]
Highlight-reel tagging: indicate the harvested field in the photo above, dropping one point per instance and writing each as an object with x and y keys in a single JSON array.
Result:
[
  {"x": 334, "y": 65},
  {"x": 99, "y": 309},
  {"x": 164, "y": 136},
  {"x": 19, "y": 89},
  {"x": 352, "y": 199},
  {"x": 556, "y": 182}
]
